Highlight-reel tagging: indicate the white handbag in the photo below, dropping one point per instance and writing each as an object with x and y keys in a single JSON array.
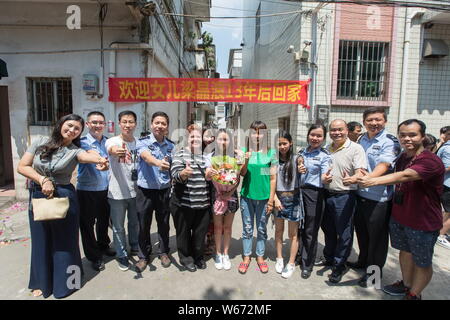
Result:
[{"x": 50, "y": 209}]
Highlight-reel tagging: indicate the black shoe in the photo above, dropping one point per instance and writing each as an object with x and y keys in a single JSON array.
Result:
[
  {"x": 356, "y": 265},
  {"x": 165, "y": 260},
  {"x": 322, "y": 262},
  {"x": 110, "y": 252},
  {"x": 201, "y": 264},
  {"x": 336, "y": 275},
  {"x": 363, "y": 281},
  {"x": 306, "y": 274},
  {"x": 98, "y": 265},
  {"x": 190, "y": 267}
]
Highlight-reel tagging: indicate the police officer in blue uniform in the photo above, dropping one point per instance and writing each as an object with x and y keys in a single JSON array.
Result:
[
  {"x": 92, "y": 191},
  {"x": 314, "y": 161},
  {"x": 155, "y": 152},
  {"x": 373, "y": 207}
]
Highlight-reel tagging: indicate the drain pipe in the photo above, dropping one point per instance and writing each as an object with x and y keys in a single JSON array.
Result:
[
  {"x": 124, "y": 46},
  {"x": 408, "y": 27}
]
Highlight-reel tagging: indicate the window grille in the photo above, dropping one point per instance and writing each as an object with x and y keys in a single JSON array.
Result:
[
  {"x": 50, "y": 99},
  {"x": 362, "y": 70}
]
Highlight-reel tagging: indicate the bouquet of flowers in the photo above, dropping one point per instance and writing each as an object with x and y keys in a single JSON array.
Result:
[{"x": 226, "y": 179}]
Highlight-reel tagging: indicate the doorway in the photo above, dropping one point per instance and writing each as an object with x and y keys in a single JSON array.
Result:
[{"x": 6, "y": 163}]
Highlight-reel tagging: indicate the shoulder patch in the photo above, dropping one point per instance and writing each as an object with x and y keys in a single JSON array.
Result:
[
  {"x": 392, "y": 137},
  {"x": 301, "y": 150},
  {"x": 83, "y": 138},
  {"x": 170, "y": 141},
  {"x": 325, "y": 150},
  {"x": 144, "y": 138}
]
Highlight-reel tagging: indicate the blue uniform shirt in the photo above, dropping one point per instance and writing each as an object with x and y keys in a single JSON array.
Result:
[
  {"x": 317, "y": 162},
  {"x": 89, "y": 178},
  {"x": 444, "y": 154},
  {"x": 383, "y": 148},
  {"x": 151, "y": 177}
]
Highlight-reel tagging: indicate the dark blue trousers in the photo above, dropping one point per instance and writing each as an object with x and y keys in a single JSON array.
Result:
[
  {"x": 337, "y": 226},
  {"x": 55, "y": 247}
]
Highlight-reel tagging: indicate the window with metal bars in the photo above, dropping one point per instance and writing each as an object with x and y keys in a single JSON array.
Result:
[
  {"x": 50, "y": 99},
  {"x": 362, "y": 70}
]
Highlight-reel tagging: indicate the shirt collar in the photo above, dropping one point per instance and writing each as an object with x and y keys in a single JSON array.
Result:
[
  {"x": 153, "y": 140},
  {"x": 92, "y": 140},
  {"x": 317, "y": 150},
  {"x": 379, "y": 134},
  {"x": 345, "y": 145}
]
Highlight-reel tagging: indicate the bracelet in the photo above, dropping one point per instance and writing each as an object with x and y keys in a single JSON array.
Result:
[{"x": 44, "y": 180}]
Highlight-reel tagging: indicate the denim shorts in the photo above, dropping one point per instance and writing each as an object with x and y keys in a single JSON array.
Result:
[
  {"x": 417, "y": 242},
  {"x": 292, "y": 209}
]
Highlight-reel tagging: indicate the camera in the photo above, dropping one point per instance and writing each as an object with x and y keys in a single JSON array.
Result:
[{"x": 134, "y": 175}]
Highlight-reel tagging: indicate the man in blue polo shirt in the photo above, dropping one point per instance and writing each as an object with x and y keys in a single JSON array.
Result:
[
  {"x": 92, "y": 190},
  {"x": 373, "y": 205},
  {"x": 444, "y": 154},
  {"x": 155, "y": 152}
]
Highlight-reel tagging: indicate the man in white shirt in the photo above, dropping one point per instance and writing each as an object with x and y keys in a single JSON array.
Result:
[{"x": 122, "y": 187}]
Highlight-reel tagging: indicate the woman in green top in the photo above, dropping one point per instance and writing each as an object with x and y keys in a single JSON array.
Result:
[{"x": 257, "y": 194}]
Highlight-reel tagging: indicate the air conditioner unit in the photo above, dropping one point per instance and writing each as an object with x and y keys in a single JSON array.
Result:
[{"x": 434, "y": 48}]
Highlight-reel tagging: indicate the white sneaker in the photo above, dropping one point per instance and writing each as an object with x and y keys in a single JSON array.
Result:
[
  {"x": 226, "y": 262},
  {"x": 279, "y": 265},
  {"x": 288, "y": 270},
  {"x": 218, "y": 262},
  {"x": 443, "y": 242}
]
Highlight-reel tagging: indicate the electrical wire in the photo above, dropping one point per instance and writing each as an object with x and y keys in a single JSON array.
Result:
[
  {"x": 345, "y": 10},
  {"x": 233, "y": 17},
  {"x": 387, "y": 3}
]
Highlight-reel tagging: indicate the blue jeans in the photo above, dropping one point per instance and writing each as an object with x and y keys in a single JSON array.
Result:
[
  {"x": 249, "y": 210},
  {"x": 118, "y": 211}
]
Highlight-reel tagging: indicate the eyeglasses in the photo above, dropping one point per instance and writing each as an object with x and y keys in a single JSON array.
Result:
[{"x": 97, "y": 123}]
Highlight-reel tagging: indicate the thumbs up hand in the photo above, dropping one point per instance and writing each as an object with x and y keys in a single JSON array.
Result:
[
  {"x": 365, "y": 181},
  {"x": 301, "y": 165},
  {"x": 186, "y": 172},
  {"x": 327, "y": 178},
  {"x": 347, "y": 180}
]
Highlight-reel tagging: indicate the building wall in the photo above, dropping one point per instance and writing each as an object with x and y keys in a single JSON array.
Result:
[
  {"x": 119, "y": 27},
  {"x": 427, "y": 84}
]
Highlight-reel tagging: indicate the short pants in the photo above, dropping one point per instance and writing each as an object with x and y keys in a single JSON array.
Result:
[
  {"x": 417, "y": 242},
  {"x": 292, "y": 208}
]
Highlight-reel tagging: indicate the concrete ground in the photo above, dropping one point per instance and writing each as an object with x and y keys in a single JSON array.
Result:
[{"x": 174, "y": 283}]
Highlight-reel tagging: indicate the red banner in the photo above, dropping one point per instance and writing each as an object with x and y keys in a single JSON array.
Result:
[{"x": 203, "y": 89}]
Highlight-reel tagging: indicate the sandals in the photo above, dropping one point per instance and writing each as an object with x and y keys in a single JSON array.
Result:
[
  {"x": 36, "y": 293},
  {"x": 243, "y": 267},
  {"x": 263, "y": 267}
]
